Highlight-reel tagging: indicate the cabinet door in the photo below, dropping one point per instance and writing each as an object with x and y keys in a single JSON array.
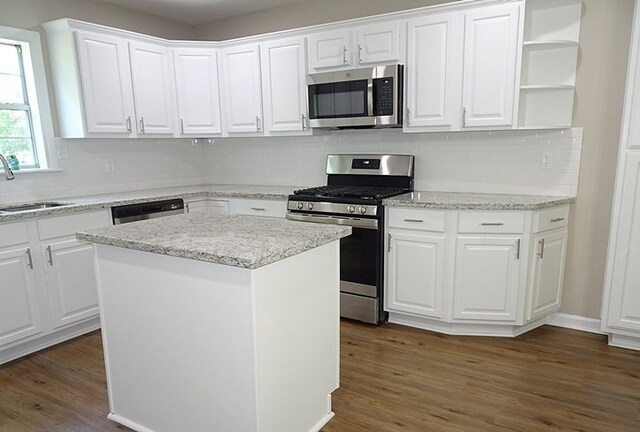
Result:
[
  {"x": 378, "y": 43},
  {"x": 433, "y": 71},
  {"x": 490, "y": 53},
  {"x": 624, "y": 301},
  {"x": 487, "y": 278},
  {"x": 198, "y": 91},
  {"x": 19, "y": 316},
  {"x": 71, "y": 281},
  {"x": 283, "y": 84},
  {"x": 242, "y": 90},
  {"x": 330, "y": 50},
  {"x": 547, "y": 269},
  {"x": 415, "y": 282},
  {"x": 106, "y": 83},
  {"x": 153, "y": 88}
]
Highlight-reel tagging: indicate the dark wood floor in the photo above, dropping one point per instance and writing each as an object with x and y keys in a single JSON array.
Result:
[{"x": 392, "y": 379}]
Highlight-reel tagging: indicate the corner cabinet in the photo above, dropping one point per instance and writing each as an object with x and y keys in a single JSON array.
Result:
[
  {"x": 51, "y": 292},
  {"x": 474, "y": 272}
]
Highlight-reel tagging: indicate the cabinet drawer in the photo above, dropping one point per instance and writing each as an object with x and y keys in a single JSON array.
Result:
[
  {"x": 259, "y": 207},
  {"x": 13, "y": 234},
  {"x": 491, "y": 222},
  {"x": 66, "y": 225},
  {"x": 551, "y": 218},
  {"x": 417, "y": 219}
]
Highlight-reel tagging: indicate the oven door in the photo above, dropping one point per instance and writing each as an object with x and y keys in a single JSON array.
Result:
[{"x": 360, "y": 265}]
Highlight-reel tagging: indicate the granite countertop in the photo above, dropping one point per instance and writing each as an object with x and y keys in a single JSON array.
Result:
[
  {"x": 240, "y": 241},
  {"x": 476, "y": 201},
  {"x": 95, "y": 202}
]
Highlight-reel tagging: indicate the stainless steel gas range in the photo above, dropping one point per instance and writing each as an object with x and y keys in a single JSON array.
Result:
[{"x": 356, "y": 186}]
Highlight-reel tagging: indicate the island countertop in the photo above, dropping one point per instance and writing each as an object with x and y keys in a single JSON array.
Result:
[{"x": 240, "y": 241}]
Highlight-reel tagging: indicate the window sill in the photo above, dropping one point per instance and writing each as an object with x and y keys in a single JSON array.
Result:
[{"x": 34, "y": 171}]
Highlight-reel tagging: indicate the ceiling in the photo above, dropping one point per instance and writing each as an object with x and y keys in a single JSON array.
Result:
[{"x": 199, "y": 11}]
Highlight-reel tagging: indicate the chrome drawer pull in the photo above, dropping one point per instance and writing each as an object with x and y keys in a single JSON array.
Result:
[
  {"x": 556, "y": 219},
  {"x": 50, "y": 256},
  {"x": 414, "y": 220},
  {"x": 541, "y": 250},
  {"x": 258, "y": 208},
  {"x": 492, "y": 224},
  {"x": 518, "y": 249},
  {"x": 30, "y": 263}
]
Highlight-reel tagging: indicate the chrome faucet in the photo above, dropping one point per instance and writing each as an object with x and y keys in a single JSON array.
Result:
[{"x": 8, "y": 174}]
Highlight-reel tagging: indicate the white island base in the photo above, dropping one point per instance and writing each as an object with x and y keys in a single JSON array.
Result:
[{"x": 197, "y": 346}]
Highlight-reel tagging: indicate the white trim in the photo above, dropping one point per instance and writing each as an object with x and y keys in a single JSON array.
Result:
[
  {"x": 575, "y": 322},
  {"x": 36, "y": 82}
]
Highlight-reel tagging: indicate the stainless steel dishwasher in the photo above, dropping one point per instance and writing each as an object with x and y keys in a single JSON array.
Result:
[{"x": 148, "y": 210}]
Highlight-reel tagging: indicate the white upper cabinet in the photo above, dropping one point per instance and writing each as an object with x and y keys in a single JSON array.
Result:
[
  {"x": 462, "y": 69},
  {"x": 378, "y": 43},
  {"x": 490, "y": 55},
  {"x": 283, "y": 86},
  {"x": 242, "y": 90},
  {"x": 197, "y": 85},
  {"x": 153, "y": 88},
  {"x": 433, "y": 75},
  {"x": 105, "y": 73},
  {"x": 366, "y": 45}
]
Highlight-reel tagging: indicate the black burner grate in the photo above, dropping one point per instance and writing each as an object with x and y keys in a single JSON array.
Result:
[{"x": 357, "y": 192}]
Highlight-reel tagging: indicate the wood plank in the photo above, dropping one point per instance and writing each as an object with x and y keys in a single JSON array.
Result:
[{"x": 393, "y": 379}]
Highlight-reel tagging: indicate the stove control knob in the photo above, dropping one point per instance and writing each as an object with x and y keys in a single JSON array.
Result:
[
  {"x": 310, "y": 206},
  {"x": 300, "y": 206},
  {"x": 362, "y": 209},
  {"x": 351, "y": 209}
]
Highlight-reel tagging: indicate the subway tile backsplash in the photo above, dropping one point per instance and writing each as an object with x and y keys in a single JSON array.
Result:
[{"x": 500, "y": 162}]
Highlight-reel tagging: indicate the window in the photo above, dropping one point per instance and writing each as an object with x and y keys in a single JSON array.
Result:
[{"x": 25, "y": 120}]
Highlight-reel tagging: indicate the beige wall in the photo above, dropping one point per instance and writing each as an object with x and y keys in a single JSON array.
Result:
[
  {"x": 29, "y": 14},
  {"x": 604, "y": 42},
  {"x": 301, "y": 15}
]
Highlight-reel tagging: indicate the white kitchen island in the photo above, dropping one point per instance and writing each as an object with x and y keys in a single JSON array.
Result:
[{"x": 221, "y": 324}]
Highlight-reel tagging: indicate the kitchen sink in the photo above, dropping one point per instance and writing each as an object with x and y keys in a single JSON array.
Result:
[{"x": 32, "y": 206}]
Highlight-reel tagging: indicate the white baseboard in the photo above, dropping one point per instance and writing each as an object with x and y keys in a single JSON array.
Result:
[{"x": 575, "y": 322}]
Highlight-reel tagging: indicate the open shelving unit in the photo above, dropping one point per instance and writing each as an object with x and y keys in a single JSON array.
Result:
[{"x": 549, "y": 63}]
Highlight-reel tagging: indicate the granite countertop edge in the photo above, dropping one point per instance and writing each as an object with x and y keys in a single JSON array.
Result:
[
  {"x": 223, "y": 256},
  {"x": 471, "y": 201}
]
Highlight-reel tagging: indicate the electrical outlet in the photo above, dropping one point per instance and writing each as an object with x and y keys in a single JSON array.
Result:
[
  {"x": 108, "y": 165},
  {"x": 545, "y": 161}
]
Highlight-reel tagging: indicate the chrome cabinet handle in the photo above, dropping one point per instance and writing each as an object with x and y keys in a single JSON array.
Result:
[
  {"x": 257, "y": 124},
  {"x": 408, "y": 116},
  {"x": 518, "y": 249},
  {"x": 50, "y": 256},
  {"x": 344, "y": 54},
  {"x": 556, "y": 220},
  {"x": 128, "y": 122},
  {"x": 541, "y": 250},
  {"x": 141, "y": 124},
  {"x": 388, "y": 242},
  {"x": 464, "y": 116},
  {"x": 30, "y": 262},
  {"x": 414, "y": 220},
  {"x": 186, "y": 207},
  {"x": 182, "y": 126},
  {"x": 359, "y": 53},
  {"x": 258, "y": 208},
  {"x": 492, "y": 224},
  {"x": 304, "y": 122}
]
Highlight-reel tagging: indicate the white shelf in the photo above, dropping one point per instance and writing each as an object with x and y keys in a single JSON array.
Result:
[
  {"x": 545, "y": 107},
  {"x": 547, "y": 87},
  {"x": 549, "y": 43},
  {"x": 553, "y": 20}
]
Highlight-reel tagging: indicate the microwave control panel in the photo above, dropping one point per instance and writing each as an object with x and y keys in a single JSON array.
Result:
[{"x": 383, "y": 96}]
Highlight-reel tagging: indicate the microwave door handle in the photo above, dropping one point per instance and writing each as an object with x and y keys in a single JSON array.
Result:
[{"x": 370, "y": 97}]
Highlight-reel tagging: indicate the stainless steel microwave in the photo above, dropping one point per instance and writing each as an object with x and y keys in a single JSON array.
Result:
[{"x": 356, "y": 98}]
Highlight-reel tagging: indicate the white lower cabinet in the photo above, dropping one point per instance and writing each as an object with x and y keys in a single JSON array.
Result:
[
  {"x": 19, "y": 317},
  {"x": 256, "y": 207},
  {"x": 208, "y": 207},
  {"x": 486, "y": 278},
  {"x": 416, "y": 273},
  {"x": 493, "y": 273},
  {"x": 48, "y": 292}
]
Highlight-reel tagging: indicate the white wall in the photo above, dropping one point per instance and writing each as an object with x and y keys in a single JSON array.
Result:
[{"x": 488, "y": 162}]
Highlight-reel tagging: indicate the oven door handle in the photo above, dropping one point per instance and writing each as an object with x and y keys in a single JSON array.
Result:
[{"x": 335, "y": 220}]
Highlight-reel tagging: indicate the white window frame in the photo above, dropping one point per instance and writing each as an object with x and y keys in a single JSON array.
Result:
[{"x": 38, "y": 93}]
